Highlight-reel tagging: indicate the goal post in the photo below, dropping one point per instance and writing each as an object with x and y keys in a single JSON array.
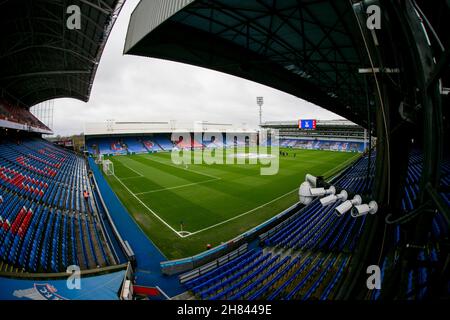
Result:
[
  {"x": 99, "y": 159},
  {"x": 108, "y": 167}
]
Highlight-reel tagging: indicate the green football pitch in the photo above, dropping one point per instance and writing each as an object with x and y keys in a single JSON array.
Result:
[{"x": 184, "y": 207}]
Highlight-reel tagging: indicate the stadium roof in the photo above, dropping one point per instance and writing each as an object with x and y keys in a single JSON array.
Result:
[
  {"x": 308, "y": 48},
  {"x": 41, "y": 59}
]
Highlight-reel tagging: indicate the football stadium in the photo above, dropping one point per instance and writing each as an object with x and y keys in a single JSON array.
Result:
[{"x": 301, "y": 208}]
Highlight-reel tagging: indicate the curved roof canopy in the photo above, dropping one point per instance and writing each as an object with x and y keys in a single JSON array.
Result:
[
  {"x": 309, "y": 48},
  {"x": 42, "y": 59}
]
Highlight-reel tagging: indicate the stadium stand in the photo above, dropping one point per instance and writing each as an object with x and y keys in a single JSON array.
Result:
[
  {"x": 305, "y": 257},
  {"x": 341, "y": 130},
  {"x": 9, "y": 112},
  {"x": 333, "y": 135},
  {"x": 159, "y": 142},
  {"x": 163, "y": 142},
  {"x": 134, "y": 145},
  {"x": 49, "y": 218},
  {"x": 192, "y": 144},
  {"x": 214, "y": 142},
  {"x": 128, "y": 144},
  {"x": 46, "y": 222},
  {"x": 423, "y": 269},
  {"x": 308, "y": 255},
  {"x": 331, "y": 145},
  {"x": 107, "y": 146},
  {"x": 150, "y": 146},
  {"x": 183, "y": 144}
]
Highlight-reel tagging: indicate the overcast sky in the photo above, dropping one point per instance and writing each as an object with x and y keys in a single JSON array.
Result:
[{"x": 131, "y": 88}]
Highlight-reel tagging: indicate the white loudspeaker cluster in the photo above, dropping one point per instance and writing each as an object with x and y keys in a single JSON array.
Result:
[
  {"x": 356, "y": 207},
  {"x": 308, "y": 190},
  {"x": 332, "y": 198},
  {"x": 347, "y": 205},
  {"x": 363, "y": 209}
]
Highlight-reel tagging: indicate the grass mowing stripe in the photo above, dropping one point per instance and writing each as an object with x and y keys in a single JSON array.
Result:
[
  {"x": 243, "y": 214},
  {"x": 121, "y": 170},
  {"x": 140, "y": 175},
  {"x": 156, "y": 176},
  {"x": 177, "y": 187},
  {"x": 178, "y": 167},
  {"x": 128, "y": 178}
]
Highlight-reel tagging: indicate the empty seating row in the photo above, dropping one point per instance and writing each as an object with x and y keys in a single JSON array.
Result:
[
  {"x": 45, "y": 222},
  {"x": 318, "y": 244},
  {"x": 316, "y": 227},
  {"x": 63, "y": 190},
  {"x": 344, "y": 146}
]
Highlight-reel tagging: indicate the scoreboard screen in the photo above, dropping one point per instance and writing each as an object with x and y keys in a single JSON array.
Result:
[{"x": 307, "y": 124}]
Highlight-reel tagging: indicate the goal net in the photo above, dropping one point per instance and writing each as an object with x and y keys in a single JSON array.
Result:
[
  {"x": 108, "y": 167},
  {"x": 99, "y": 159}
]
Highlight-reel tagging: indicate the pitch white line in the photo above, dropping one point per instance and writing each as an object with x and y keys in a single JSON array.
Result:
[
  {"x": 150, "y": 210},
  {"x": 176, "y": 187},
  {"x": 179, "y": 167},
  {"x": 140, "y": 174},
  {"x": 241, "y": 215},
  {"x": 128, "y": 178}
]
